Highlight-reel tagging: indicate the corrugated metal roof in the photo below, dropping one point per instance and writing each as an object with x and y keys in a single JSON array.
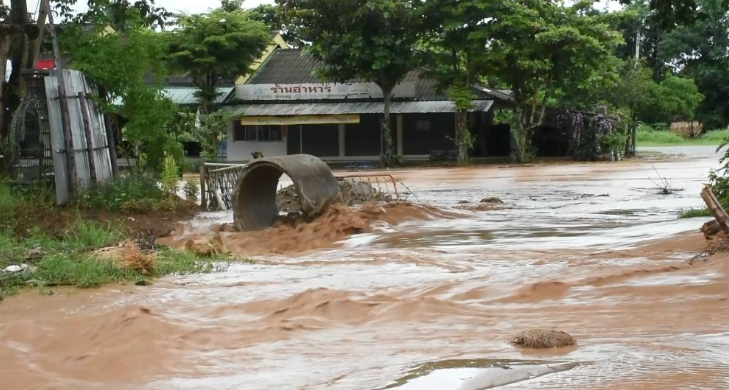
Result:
[
  {"x": 348, "y": 108},
  {"x": 186, "y": 96},
  {"x": 295, "y": 66}
]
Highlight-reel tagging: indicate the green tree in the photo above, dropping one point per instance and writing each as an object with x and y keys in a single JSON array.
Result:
[
  {"x": 701, "y": 52},
  {"x": 216, "y": 47},
  {"x": 371, "y": 40},
  {"x": 273, "y": 17},
  {"x": 672, "y": 13},
  {"x": 637, "y": 20},
  {"x": 209, "y": 129},
  {"x": 449, "y": 53},
  {"x": 118, "y": 64},
  {"x": 537, "y": 47},
  {"x": 117, "y": 14}
]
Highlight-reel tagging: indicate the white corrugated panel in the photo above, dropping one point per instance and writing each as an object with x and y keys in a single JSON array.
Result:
[{"x": 289, "y": 109}]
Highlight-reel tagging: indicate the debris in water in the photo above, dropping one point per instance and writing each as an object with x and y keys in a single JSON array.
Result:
[
  {"x": 480, "y": 207},
  {"x": 353, "y": 193},
  {"x": 129, "y": 255},
  {"x": 493, "y": 200},
  {"x": 710, "y": 229},
  {"x": 543, "y": 339},
  {"x": 208, "y": 248}
]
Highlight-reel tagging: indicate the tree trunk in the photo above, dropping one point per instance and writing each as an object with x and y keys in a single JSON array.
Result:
[
  {"x": 521, "y": 136},
  {"x": 386, "y": 131},
  {"x": 17, "y": 53},
  {"x": 462, "y": 136},
  {"x": 5, "y": 41}
]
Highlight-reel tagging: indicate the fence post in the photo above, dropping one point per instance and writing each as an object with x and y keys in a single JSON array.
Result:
[
  {"x": 83, "y": 105},
  {"x": 203, "y": 190}
]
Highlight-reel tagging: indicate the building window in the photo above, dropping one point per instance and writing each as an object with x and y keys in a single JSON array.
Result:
[{"x": 259, "y": 133}]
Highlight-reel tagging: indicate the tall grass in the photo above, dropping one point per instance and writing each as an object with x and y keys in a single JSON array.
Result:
[
  {"x": 647, "y": 135},
  {"x": 650, "y": 136},
  {"x": 695, "y": 213}
]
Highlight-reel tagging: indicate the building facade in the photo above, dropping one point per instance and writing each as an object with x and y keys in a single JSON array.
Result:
[{"x": 284, "y": 108}]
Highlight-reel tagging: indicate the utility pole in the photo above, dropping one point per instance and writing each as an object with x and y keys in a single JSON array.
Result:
[{"x": 65, "y": 117}]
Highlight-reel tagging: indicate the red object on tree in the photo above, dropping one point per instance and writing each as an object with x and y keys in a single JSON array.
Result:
[{"x": 45, "y": 64}]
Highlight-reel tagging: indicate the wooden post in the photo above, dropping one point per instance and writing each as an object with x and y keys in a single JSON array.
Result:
[
  {"x": 65, "y": 116},
  {"x": 110, "y": 141},
  {"x": 83, "y": 104},
  {"x": 42, "y": 16},
  {"x": 716, "y": 209},
  {"x": 203, "y": 190}
]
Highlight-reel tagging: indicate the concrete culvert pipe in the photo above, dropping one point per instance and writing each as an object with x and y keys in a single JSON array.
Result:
[{"x": 255, "y": 206}]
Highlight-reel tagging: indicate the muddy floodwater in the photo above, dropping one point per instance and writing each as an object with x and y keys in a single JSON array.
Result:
[{"x": 423, "y": 303}]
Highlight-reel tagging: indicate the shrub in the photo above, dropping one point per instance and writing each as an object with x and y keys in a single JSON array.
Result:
[{"x": 125, "y": 192}]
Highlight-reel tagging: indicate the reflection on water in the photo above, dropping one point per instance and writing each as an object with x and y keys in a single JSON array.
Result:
[
  {"x": 585, "y": 248},
  {"x": 478, "y": 374}
]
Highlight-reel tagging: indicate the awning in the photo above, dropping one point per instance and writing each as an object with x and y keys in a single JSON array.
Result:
[
  {"x": 299, "y": 119},
  {"x": 290, "y": 109}
]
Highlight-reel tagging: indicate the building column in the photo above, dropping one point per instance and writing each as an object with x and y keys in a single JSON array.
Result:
[
  {"x": 341, "y": 139},
  {"x": 399, "y": 135}
]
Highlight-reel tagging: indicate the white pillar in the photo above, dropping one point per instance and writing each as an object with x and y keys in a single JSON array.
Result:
[
  {"x": 399, "y": 135},
  {"x": 341, "y": 139}
]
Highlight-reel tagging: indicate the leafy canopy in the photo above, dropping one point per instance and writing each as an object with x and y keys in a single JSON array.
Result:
[
  {"x": 216, "y": 47},
  {"x": 118, "y": 63},
  {"x": 371, "y": 40},
  {"x": 121, "y": 15}
]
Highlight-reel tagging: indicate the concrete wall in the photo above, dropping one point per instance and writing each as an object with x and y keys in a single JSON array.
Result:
[{"x": 241, "y": 150}]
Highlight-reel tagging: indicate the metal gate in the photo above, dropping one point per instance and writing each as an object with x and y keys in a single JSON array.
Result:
[{"x": 30, "y": 148}]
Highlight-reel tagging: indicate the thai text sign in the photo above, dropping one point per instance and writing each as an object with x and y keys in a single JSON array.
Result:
[
  {"x": 328, "y": 91},
  {"x": 299, "y": 120}
]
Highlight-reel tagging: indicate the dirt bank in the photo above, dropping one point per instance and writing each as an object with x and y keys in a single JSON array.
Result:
[
  {"x": 56, "y": 222},
  {"x": 294, "y": 236}
]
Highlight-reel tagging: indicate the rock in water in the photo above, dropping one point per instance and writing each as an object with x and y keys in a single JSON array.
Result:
[{"x": 542, "y": 339}]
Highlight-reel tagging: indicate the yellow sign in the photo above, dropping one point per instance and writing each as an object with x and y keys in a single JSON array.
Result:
[{"x": 299, "y": 120}]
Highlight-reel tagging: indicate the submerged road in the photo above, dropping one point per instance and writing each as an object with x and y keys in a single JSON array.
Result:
[{"x": 422, "y": 302}]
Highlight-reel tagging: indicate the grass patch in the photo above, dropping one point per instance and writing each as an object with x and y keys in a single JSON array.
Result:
[
  {"x": 73, "y": 262},
  {"x": 61, "y": 246},
  {"x": 648, "y": 136},
  {"x": 695, "y": 213}
]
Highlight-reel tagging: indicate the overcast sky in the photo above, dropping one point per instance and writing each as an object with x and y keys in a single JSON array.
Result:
[
  {"x": 186, "y": 6},
  {"x": 198, "y": 6}
]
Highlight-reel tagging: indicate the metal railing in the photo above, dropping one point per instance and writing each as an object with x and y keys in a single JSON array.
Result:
[
  {"x": 217, "y": 185},
  {"x": 358, "y": 188},
  {"x": 218, "y": 181}
]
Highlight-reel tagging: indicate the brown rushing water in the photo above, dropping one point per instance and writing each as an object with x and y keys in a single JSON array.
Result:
[{"x": 587, "y": 248}]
